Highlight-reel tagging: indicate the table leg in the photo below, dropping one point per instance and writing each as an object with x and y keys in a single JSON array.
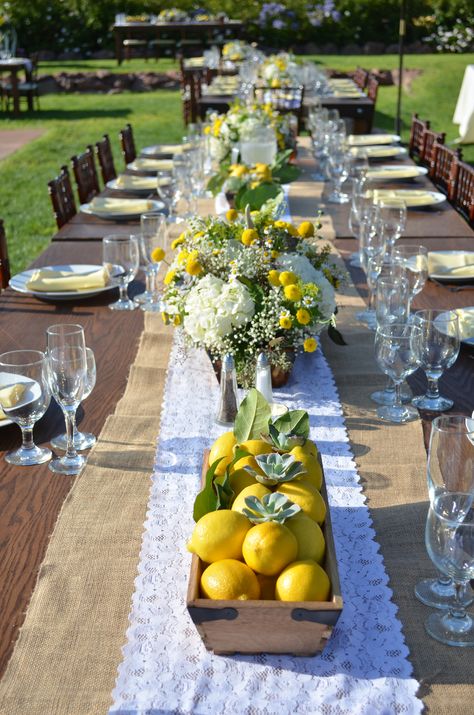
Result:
[
  {"x": 118, "y": 46},
  {"x": 15, "y": 93}
]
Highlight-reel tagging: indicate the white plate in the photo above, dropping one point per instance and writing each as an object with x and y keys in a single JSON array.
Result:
[
  {"x": 389, "y": 168},
  {"x": 448, "y": 277},
  {"x": 436, "y": 198},
  {"x": 466, "y": 324},
  {"x": 363, "y": 140},
  {"x": 113, "y": 216},
  {"x": 151, "y": 166},
  {"x": 384, "y": 151},
  {"x": 132, "y": 190},
  {"x": 19, "y": 282},
  {"x": 164, "y": 150}
]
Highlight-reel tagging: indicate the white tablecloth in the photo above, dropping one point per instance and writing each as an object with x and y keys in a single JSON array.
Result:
[{"x": 464, "y": 112}]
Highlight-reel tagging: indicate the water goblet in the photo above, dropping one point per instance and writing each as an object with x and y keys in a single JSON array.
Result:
[
  {"x": 414, "y": 260},
  {"x": 397, "y": 351},
  {"x": 120, "y": 255},
  {"x": 167, "y": 191},
  {"x": 27, "y": 368},
  {"x": 393, "y": 214},
  {"x": 372, "y": 249},
  {"x": 339, "y": 172},
  {"x": 82, "y": 440},
  {"x": 439, "y": 351},
  {"x": 153, "y": 249},
  {"x": 67, "y": 368}
]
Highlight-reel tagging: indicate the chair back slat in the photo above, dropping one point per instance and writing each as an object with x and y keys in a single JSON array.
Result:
[
  {"x": 103, "y": 150},
  {"x": 418, "y": 127},
  {"x": 62, "y": 197},
  {"x": 360, "y": 77},
  {"x": 85, "y": 173},
  {"x": 462, "y": 177},
  {"x": 429, "y": 138},
  {"x": 372, "y": 88},
  {"x": 4, "y": 262},
  {"x": 127, "y": 142},
  {"x": 442, "y": 158}
]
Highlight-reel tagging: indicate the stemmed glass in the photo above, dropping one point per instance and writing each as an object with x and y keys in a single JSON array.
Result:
[
  {"x": 82, "y": 440},
  {"x": 372, "y": 249},
  {"x": 27, "y": 368},
  {"x": 166, "y": 190},
  {"x": 339, "y": 171},
  {"x": 439, "y": 351},
  {"x": 397, "y": 351},
  {"x": 67, "y": 366},
  {"x": 414, "y": 260},
  {"x": 121, "y": 257},
  {"x": 393, "y": 214},
  {"x": 153, "y": 249},
  {"x": 449, "y": 469}
]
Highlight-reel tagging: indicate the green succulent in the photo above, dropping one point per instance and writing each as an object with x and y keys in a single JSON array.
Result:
[
  {"x": 277, "y": 468},
  {"x": 283, "y": 441},
  {"x": 272, "y": 507}
]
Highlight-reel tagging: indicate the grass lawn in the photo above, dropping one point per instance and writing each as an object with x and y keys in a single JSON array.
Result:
[{"x": 73, "y": 121}]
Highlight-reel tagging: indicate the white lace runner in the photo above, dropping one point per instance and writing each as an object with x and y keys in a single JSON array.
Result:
[{"x": 166, "y": 669}]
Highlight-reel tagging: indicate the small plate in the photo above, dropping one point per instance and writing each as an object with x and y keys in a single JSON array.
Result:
[
  {"x": 151, "y": 166},
  {"x": 449, "y": 277},
  {"x": 394, "y": 168},
  {"x": 19, "y": 282},
  {"x": 132, "y": 190},
  {"x": 366, "y": 140},
  {"x": 162, "y": 151},
  {"x": 116, "y": 216},
  {"x": 404, "y": 195},
  {"x": 384, "y": 151}
]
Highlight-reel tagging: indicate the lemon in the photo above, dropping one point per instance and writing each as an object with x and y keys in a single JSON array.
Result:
[
  {"x": 241, "y": 479},
  {"x": 256, "y": 447},
  {"x": 312, "y": 467},
  {"x": 248, "y": 461},
  {"x": 311, "y": 544},
  {"x": 254, "y": 490},
  {"x": 307, "y": 497},
  {"x": 303, "y": 581},
  {"x": 222, "y": 447},
  {"x": 219, "y": 535},
  {"x": 308, "y": 447},
  {"x": 230, "y": 579},
  {"x": 267, "y": 586},
  {"x": 269, "y": 547}
]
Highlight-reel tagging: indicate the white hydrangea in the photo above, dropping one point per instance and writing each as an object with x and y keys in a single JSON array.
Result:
[
  {"x": 214, "y": 308},
  {"x": 300, "y": 265}
]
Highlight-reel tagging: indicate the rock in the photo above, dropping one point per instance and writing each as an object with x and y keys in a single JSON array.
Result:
[{"x": 47, "y": 84}]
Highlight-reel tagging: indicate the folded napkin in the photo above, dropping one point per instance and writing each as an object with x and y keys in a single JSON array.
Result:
[
  {"x": 47, "y": 280},
  {"x": 401, "y": 172},
  {"x": 120, "y": 207},
  {"x": 466, "y": 323},
  {"x": 376, "y": 152},
  {"x": 166, "y": 148},
  {"x": 152, "y": 165},
  {"x": 346, "y": 93},
  {"x": 369, "y": 139},
  {"x": 411, "y": 197},
  {"x": 10, "y": 396},
  {"x": 127, "y": 181},
  {"x": 457, "y": 265}
]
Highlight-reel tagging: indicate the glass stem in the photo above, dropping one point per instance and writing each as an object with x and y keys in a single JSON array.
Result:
[
  {"x": 444, "y": 580},
  {"x": 371, "y": 299},
  {"x": 398, "y": 396},
  {"x": 390, "y": 386},
  {"x": 457, "y": 610},
  {"x": 149, "y": 280},
  {"x": 70, "y": 417},
  {"x": 27, "y": 437},
  {"x": 123, "y": 292},
  {"x": 433, "y": 389}
]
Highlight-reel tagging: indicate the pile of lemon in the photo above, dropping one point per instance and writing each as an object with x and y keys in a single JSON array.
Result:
[{"x": 267, "y": 560}]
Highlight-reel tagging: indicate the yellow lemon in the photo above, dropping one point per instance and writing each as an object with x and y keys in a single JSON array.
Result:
[
  {"x": 241, "y": 479},
  {"x": 311, "y": 544},
  {"x": 254, "y": 490},
  {"x": 314, "y": 473},
  {"x": 219, "y": 535},
  {"x": 222, "y": 447},
  {"x": 256, "y": 446},
  {"x": 230, "y": 580},
  {"x": 248, "y": 461},
  {"x": 307, "y": 497},
  {"x": 269, "y": 547},
  {"x": 303, "y": 581},
  {"x": 309, "y": 447},
  {"x": 267, "y": 586}
]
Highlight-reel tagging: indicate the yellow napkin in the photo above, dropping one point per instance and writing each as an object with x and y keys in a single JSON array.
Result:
[
  {"x": 402, "y": 172},
  {"x": 10, "y": 396},
  {"x": 346, "y": 93},
  {"x": 166, "y": 148},
  {"x": 411, "y": 197},
  {"x": 457, "y": 265},
  {"x": 127, "y": 181},
  {"x": 152, "y": 164},
  {"x": 466, "y": 323},
  {"x": 47, "y": 280},
  {"x": 109, "y": 206},
  {"x": 369, "y": 139},
  {"x": 376, "y": 152}
]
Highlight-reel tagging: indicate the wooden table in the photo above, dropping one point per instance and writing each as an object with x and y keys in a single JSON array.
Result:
[{"x": 14, "y": 66}]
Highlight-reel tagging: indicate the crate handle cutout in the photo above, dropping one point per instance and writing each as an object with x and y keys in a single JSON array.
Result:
[
  {"x": 202, "y": 615},
  {"x": 327, "y": 618}
]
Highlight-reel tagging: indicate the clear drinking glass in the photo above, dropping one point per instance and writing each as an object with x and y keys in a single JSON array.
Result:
[
  {"x": 67, "y": 366},
  {"x": 120, "y": 255},
  {"x": 339, "y": 171},
  {"x": 153, "y": 249},
  {"x": 414, "y": 260},
  {"x": 82, "y": 440},
  {"x": 371, "y": 252},
  {"x": 28, "y": 367},
  {"x": 449, "y": 469},
  {"x": 166, "y": 190},
  {"x": 397, "y": 351},
  {"x": 439, "y": 351},
  {"x": 393, "y": 213},
  {"x": 392, "y": 300}
]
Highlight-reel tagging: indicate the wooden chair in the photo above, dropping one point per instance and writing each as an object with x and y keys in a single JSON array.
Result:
[
  {"x": 4, "y": 262},
  {"x": 62, "y": 197},
  {"x": 103, "y": 150},
  {"x": 127, "y": 142},
  {"x": 418, "y": 128},
  {"x": 429, "y": 138},
  {"x": 286, "y": 100},
  {"x": 360, "y": 77},
  {"x": 462, "y": 180},
  {"x": 372, "y": 88},
  {"x": 85, "y": 173},
  {"x": 442, "y": 159}
]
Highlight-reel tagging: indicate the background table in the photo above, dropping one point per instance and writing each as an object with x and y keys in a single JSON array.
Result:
[{"x": 15, "y": 65}]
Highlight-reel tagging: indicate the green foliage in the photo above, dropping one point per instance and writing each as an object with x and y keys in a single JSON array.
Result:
[{"x": 252, "y": 418}]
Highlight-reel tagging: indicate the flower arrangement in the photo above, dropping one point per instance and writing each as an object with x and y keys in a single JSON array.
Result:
[
  {"x": 243, "y": 120},
  {"x": 172, "y": 14},
  {"x": 249, "y": 283},
  {"x": 237, "y": 51},
  {"x": 280, "y": 70}
]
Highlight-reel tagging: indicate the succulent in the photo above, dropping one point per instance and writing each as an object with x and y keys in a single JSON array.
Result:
[
  {"x": 283, "y": 441},
  {"x": 272, "y": 507},
  {"x": 277, "y": 468}
]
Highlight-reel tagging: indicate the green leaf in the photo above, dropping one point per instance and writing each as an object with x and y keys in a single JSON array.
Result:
[
  {"x": 335, "y": 335},
  {"x": 215, "y": 183},
  {"x": 255, "y": 198},
  {"x": 224, "y": 492},
  {"x": 293, "y": 422},
  {"x": 207, "y": 499},
  {"x": 286, "y": 174},
  {"x": 281, "y": 158},
  {"x": 252, "y": 418}
]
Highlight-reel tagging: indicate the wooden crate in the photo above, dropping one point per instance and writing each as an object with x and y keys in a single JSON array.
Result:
[{"x": 292, "y": 627}]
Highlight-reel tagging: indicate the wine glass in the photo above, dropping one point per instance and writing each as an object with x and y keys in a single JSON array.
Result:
[
  {"x": 67, "y": 364},
  {"x": 439, "y": 351},
  {"x": 153, "y": 248},
  {"x": 121, "y": 257},
  {"x": 414, "y": 260},
  {"x": 449, "y": 468},
  {"x": 27, "y": 369},
  {"x": 82, "y": 440},
  {"x": 397, "y": 351},
  {"x": 166, "y": 190},
  {"x": 393, "y": 214},
  {"x": 339, "y": 171},
  {"x": 372, "y": 249}
]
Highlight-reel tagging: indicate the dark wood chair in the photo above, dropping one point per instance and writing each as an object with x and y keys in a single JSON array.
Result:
[
  {"x": 429, "y": 138},
  {"x": 103, "y": 150},
  {"x": 442, "y": 159},
  {"x": 127, "y": 142},
  {"x": 360, "y": 77},
  {"x": 286, "y": 100},
  {"x": 62, "y": 197},
  {"x": 462, "y": 180},
  {"x": 85, "y": 173},
  {"x": 418, "y": 128},
  {"x": 372, "y": 88},
  {"x": 4, "y": 262}
]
